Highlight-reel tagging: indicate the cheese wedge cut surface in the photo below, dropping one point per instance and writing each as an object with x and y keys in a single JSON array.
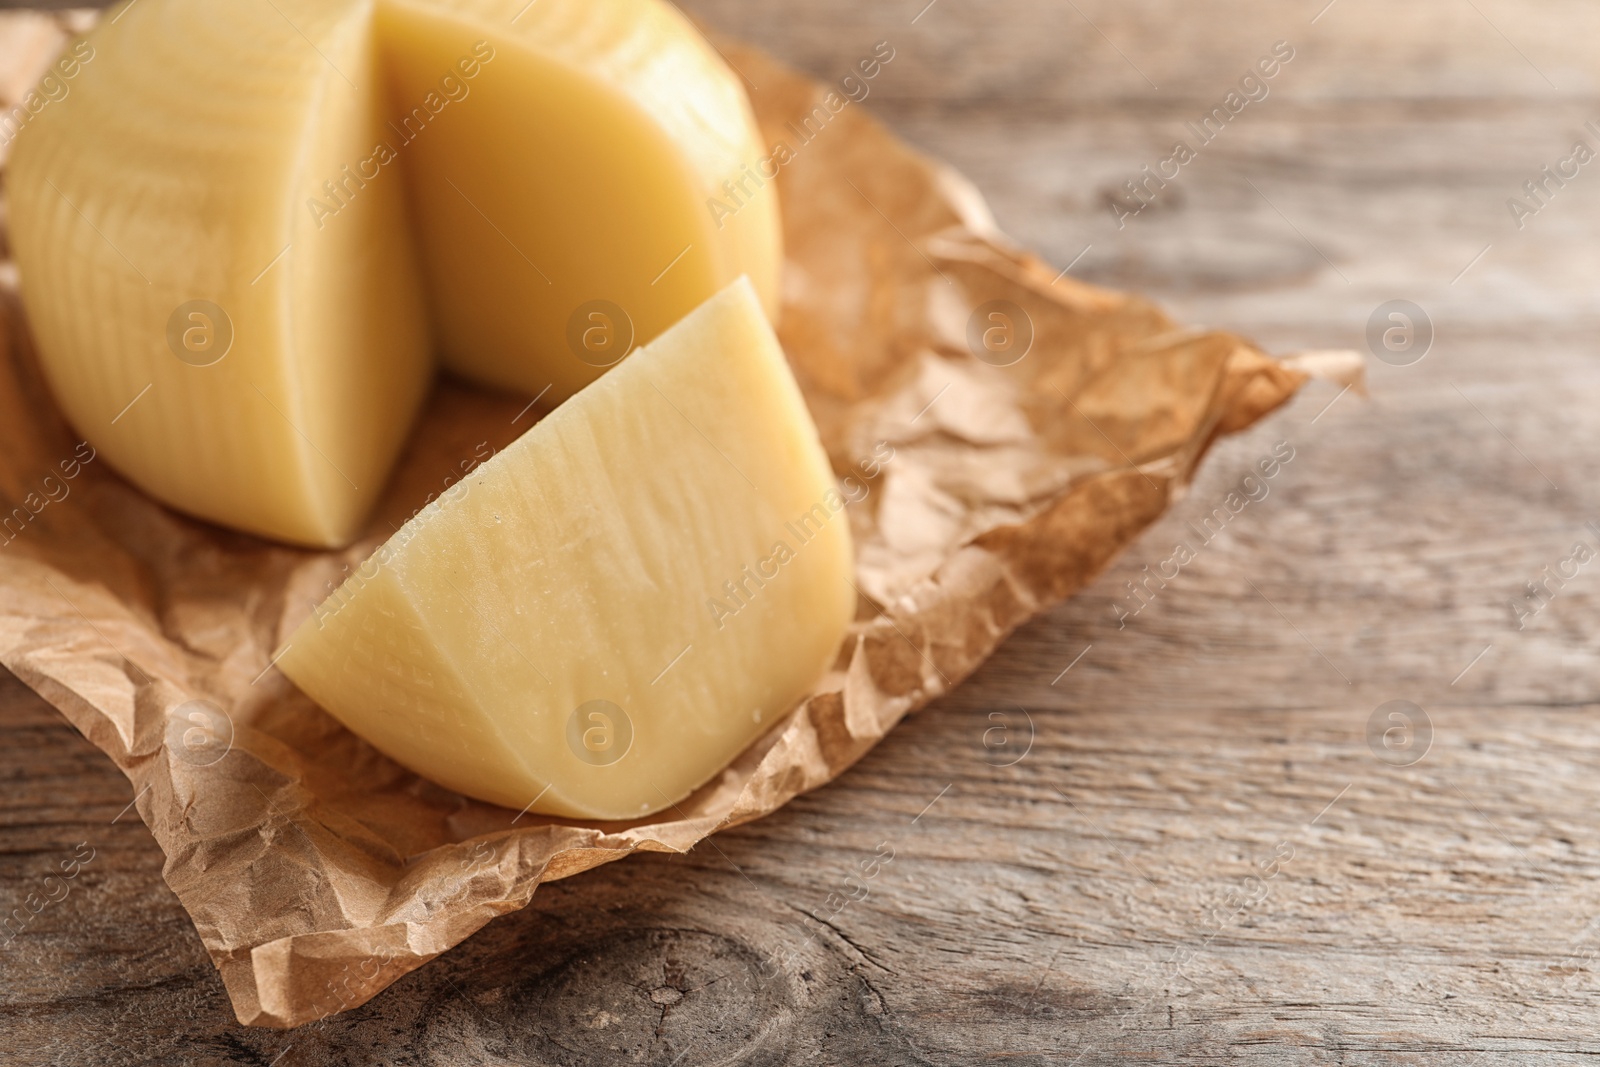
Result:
[
  {"x": 597, "y": 620},
  {"x": 565, "y": 203},
  {"x": 249, "y": 230}
]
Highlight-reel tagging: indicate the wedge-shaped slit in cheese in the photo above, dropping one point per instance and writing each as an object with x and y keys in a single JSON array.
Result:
[
  {"x": 601, "y": 617},
  {"x": 250, "y": 229}
]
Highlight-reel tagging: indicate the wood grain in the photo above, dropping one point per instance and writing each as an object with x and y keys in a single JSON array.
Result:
[{"x": 1194, "y": 854}]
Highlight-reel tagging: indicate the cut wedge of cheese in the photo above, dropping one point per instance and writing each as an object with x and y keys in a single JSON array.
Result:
[
  {"x": 597, "y": 620},
  {"x": 248, "y": 229}
]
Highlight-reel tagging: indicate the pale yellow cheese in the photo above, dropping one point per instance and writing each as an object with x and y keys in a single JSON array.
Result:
[
  {"x": 599, "y": 618},
  {"x": 581, "y": 165},
  {"x": 175, "y": 169},
  {"x": 345, "y": 190}
]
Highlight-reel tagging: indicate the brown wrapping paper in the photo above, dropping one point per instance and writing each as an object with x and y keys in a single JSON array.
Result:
[{"x": 316, "y": 870}]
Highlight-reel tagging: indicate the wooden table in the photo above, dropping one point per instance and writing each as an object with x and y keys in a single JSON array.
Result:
[{"x": 1203, "y": 850}]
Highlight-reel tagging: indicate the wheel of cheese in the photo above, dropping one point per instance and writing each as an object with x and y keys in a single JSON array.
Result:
[{"x": 248, "y": 231}]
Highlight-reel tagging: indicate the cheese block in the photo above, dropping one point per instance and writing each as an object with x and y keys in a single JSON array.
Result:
[
  {"x": 566, "y": 200},
  {"x": 248, "y": 230},
  {"x": 174, "y": 172},
  {"x": 599, "y": 618}
]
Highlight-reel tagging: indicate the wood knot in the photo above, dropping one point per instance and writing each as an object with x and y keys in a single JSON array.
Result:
[{"x": 652, "y": 996}]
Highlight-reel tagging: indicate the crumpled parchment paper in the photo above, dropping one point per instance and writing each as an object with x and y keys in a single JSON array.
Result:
[{"x": 316, "y": 870}]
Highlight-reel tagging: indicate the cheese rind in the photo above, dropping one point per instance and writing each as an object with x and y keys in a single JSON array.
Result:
[
  {"x": 667, "y": 551},
  {"x": 175, "y": 170},
  {"x": 304, "y": 172}
]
